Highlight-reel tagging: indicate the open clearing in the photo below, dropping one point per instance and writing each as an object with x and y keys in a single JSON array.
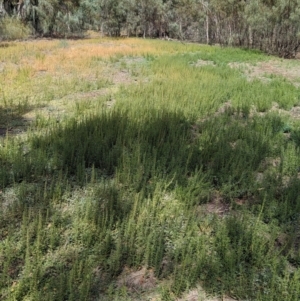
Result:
[{"x": 148, "y": 170}]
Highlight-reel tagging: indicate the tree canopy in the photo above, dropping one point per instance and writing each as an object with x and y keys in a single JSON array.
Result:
[{"x": 272, "y": 26}]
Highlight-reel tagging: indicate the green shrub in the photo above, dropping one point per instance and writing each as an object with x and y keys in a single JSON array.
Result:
[{"x": 13, "y": 29}]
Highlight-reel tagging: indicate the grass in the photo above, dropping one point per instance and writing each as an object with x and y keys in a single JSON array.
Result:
[{"x": 128, "y": 154}]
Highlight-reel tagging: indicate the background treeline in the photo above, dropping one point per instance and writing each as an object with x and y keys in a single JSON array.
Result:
[{"x": 269, "y": 25}]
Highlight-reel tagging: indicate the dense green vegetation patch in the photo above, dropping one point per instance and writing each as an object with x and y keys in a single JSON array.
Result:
[{"x": 190, "y": 174}]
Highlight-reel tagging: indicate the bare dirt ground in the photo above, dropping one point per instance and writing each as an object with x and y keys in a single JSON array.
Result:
[
  {"x": 114, "y": 73},
  {"x": 136, "y": 281},
  {"x": 217, "y": 205},
  {"x": 143, "y": 284},
  {"x": 289, "y": 69},
  {"x": 199, "y": 295},
  {"x": 201, "y": 63},
  {"x": 266, "y": 71}
]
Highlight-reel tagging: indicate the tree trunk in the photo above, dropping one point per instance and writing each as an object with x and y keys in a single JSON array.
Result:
[
  {"x": 207, "y": 30},
  {"x": 250, "y": 37},
  {"x": 2, "y": 9},
  {"x": 218, "y": 37},
  {"x": 101, "y": 30},
  {"x": 20, "y": 8}
]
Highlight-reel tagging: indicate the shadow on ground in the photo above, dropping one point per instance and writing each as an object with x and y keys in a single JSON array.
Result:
[
  {"x": 158, "y": 145},
  {"x": 12, "y": 121},
  {"x": 126, "y": 157}
]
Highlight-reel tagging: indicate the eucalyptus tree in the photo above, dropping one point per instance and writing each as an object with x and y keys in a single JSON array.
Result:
[
  {"x": 275, "y": 26},
  {"x": 146, "y": 10},
  {"x": 228, "y": 21},
  {"x": 113, "y": 16},
  {"x": 270, "y": 25},
  {"x": 188, "y": 18},
  {"x": 47, "y": 17},
  {"x": 2, "y": 9}
]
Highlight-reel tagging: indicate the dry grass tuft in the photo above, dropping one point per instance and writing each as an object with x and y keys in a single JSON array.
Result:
[{"x": 136, "y": 281}]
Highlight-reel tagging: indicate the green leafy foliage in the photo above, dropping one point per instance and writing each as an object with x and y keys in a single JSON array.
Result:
[{"x": 270, "y": 26}]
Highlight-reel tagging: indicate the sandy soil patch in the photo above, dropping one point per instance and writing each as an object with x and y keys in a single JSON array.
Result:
[
  {"x": 201, "y": 63},
  {"x": 135, "y": 281},
  {"x": 198, "y": 294},
  {"x": 265, "y": 70},
  {"x": 216, "y": 205}
]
